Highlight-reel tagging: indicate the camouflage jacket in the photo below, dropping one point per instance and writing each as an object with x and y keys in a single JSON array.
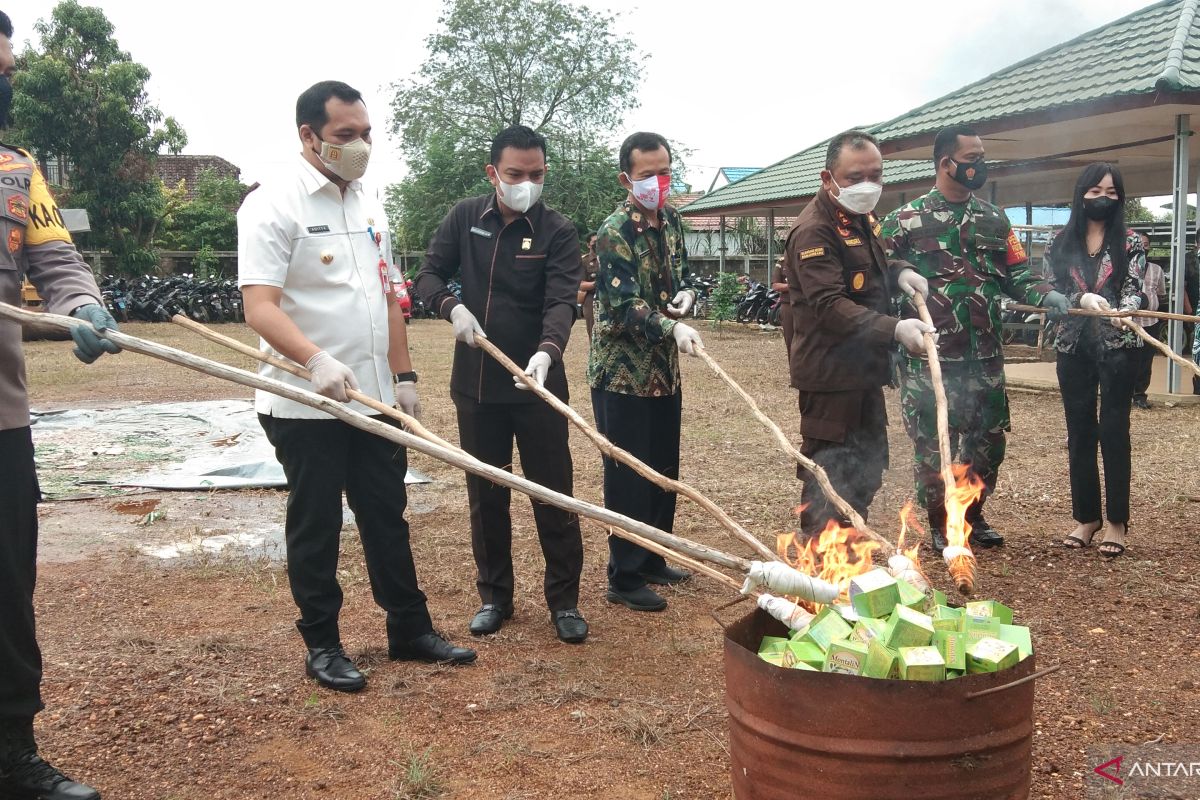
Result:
[
  {"x": 641, "y": 270},
  {"x": 1070, "y": 280},
  {"x": 970, "y": 256}
]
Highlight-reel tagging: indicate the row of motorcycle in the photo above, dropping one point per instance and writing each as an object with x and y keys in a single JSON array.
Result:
[{"x": 150, "y": 298}]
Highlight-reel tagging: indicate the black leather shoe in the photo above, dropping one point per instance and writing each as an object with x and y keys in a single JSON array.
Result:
[
  {"x": 641, "y": 599},
  {"x": 937, "y": 540},
  {"x": 333, "y": 670},
  {"x": 570, "y": 625},
  {"x": 984, "y": 535},
  {"x": 489, "y": 619},
  {"x": 1141, "y": 401},
  {"x": 31, "y": 778},
  {"x": 432, "y": 649},
  {"x": 667, "y": 576}
]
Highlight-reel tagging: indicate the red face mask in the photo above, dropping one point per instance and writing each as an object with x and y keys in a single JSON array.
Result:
[{"x": 652, "y": 192}]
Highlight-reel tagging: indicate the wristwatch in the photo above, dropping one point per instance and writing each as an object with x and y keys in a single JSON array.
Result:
[{"x": 401, "y": 377}]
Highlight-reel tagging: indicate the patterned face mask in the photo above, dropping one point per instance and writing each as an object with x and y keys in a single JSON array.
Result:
[
  {"x": 347, "y": 161},
  {"x": 651, "y": 192},
  {"x": 971, "y": 174}
]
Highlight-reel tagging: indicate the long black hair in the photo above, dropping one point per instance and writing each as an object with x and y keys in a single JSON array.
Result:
[{"x": 1071, "y": 247}]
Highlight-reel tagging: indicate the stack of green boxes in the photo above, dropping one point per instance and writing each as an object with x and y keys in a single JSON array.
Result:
[{"x": 892, "y": 630}]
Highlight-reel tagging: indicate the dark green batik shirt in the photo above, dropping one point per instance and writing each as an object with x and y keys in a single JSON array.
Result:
[
  {"x": 642, "y": 268},
  {"x": 970, "y": 255}
]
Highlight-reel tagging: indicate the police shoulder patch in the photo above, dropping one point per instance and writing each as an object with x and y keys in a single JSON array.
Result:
[{"x": 812, "y": 252}]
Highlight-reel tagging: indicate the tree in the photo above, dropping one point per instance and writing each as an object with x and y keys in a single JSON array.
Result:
[
  {"x": 724, "y": 301},
  {"x": 1136, "y": 211},
  {"x": 80, "y": 96},
  {"x": 209, "y": 219},
  {"x": 558, "y": 68}
]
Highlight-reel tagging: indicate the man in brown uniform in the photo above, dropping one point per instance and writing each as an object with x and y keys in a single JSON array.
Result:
[
  {"x": 779, "y": 284},
  {"x": 587, "y": 286},
  {"x": 841, "y": 284},
  {"x": 37, "y": 245}
]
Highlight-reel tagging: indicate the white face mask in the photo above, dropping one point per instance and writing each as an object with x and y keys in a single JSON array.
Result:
[
  {"x": 651, "y": 192},
  {"x": 861, "y": 198},
  {"x": 520, "y": 197},
  {"x": 347, "y": 161}
]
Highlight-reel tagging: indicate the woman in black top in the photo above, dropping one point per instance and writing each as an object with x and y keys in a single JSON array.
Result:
[{"x": 1098, "y": 264}]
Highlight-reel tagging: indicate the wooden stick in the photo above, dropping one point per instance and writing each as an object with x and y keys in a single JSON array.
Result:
[
  {"x": 455, "y": 458},
  {"x": 409, "y": 422},
  {"x": 818, "y": 472},
  {"x": 1166, "y": 351},
  {"x": 682, "y": 560},
  {"x": 625, "y": 457},
  {"x": 963, "y": 570},
  {"x": 1084, "y": 312}
]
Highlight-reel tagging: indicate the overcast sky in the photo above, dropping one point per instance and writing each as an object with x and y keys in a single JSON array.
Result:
[{"x": 742, "y": 83}]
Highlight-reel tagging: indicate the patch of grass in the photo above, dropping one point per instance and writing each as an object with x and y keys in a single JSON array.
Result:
[
  {"x": 420, "y": 778},
  {"x": 639, "y": 728},
  {"x": 1103, "y": 702}
]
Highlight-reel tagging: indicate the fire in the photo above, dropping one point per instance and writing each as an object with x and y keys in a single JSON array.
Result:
[
  {"x": 968, "y": 488},
  {"x": 907, "y": 520},
  {"x": 836, "y": 555}
]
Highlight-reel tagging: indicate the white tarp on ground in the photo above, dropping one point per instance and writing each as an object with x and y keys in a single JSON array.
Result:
[{"x": 216, "y": 444}]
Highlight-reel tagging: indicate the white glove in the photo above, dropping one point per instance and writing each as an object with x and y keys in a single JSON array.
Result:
[
  {"x": 539, "y": 365},
  {"x": 912, "y": 282},
  {"x": 406, "y": 398},
  {"x": 687, "y": 339},
  {"x": 466, "y": 327},
  {"x": 911, "y": 334},
  {"x": 1094, "y": 302},
  {"x": 682, "y": 304},
  {"x": 330, "y": 377}
]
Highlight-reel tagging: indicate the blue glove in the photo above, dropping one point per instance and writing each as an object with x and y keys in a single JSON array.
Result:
[
  {"x": 1057, "y": 305},
  {"x": 88, "y": 344}
]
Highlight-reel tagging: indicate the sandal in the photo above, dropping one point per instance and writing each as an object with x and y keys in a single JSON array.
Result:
[
  {"x": 1111, "y": 550},
  {"x": 1075, "y": 541}
]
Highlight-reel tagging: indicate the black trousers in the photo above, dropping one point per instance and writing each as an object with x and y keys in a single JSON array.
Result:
[
  {"x": 487, "y": 431},
  {"x": 846, "y": 434},
  {"x": 1143, "y": 358},
  {"x": 649, "y": 428},
  {"x": 322, "y": 458},
  {"x": 1080, "y": 374},
  {"x": 20, "y": 658}
]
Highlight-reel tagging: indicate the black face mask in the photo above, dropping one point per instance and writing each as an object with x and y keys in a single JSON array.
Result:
[
  {"x": 971, "y": 174},
  {"x": 1099, "y": 208},
  {"x": 5, "y": 100}
]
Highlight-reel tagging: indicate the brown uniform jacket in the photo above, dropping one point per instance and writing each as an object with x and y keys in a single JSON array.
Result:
[
  {"x": 34, "y": 243},
  {"x": 841, "y": 283},
  {"x": 519, "y": 280}
]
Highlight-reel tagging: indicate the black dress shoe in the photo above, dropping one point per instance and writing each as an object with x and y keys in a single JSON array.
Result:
[
  {"x": 570, "y": 625},
  {"x": 667, "y": 576},
  {"x": 937, "y": 540},
  {"x": 489, "y": 619},
  {"x": 1141, "y": 401},
  {"x": 333, "y": 670},
  {"x": 432, "y": 649},
  {"x": 984, "y": 535},
  {"x": 641, "y": 599},
  {"x": 31, "y": 778}
]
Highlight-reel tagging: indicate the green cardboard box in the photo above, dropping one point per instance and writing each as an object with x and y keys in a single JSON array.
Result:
[
  {"x": 798, "y": 634},
  {"x": 802, "y": 665},
  {"x": 951, "y": 674},
  {"x": 946, "y": 618},
  {"x": 937, "y": 598},
  {"x": 882, "y": 661},
  {"x": 846, "y": 656},
  {"x": 977, "y": 628},
  {"x": 827, "y": 627},
  {"x": 991, "y": 655},
  {"x": 908, "y": 628},
  {"x": 867, "y": 629},
  {"x": 911, "y": 596},
  {"x": 953, "y": 647},
  {"x": 772, "y": 644},
  {"x": 922, "y": 664},
  {"x": 874, "y": 594},
  {"x": 772, "y": 657},
  {"x": 992, "y": 609},
  {"x": 807, "y": 653},
  {"x": 1018, "y": 635}
]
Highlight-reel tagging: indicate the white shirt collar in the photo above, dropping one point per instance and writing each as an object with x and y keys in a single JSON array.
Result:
[{"x": 314, "y": 181}]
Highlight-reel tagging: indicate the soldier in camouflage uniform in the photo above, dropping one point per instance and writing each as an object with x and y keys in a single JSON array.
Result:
[
  {"x": 633, "y": 367},
  {"x": 967, "y": 250}
]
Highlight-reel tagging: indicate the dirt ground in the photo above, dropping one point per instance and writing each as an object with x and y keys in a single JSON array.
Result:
[{"x": 183, "y": 679}]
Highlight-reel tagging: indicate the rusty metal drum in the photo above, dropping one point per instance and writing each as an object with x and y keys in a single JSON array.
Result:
[{"x": 797, "y": 733}]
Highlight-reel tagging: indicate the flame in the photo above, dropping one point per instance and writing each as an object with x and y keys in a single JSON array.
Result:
[
  {"x": 909, "y": 519},
  {"x": 968, "y": 488},
  {"x": 836, "y": 555}
]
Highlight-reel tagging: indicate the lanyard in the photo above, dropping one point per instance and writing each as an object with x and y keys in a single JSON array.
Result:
[{"x": 384, "y": 280}]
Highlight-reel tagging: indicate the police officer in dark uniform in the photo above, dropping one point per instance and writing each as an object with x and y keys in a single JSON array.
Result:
[
  {"x": 841, "y": 285},
  {"x": 35, "y": 244},
  {"x": 520, "y": 269}
]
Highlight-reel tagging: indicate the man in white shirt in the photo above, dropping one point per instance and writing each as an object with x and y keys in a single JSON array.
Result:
[
  {"x": 315, "y": 272},
  {"x": 1154, "y": 288}
]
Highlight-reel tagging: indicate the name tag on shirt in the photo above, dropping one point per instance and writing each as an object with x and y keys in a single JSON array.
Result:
[
  {"x": 481, "y": 232},
  {"x": 318, "y": 229}
]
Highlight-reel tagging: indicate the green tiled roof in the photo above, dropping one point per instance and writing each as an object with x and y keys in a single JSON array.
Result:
[
  {"x": 794, "y": 177},
  {"x": 1156, "y": 48},
  {"x": 1128, "y": 56}
]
